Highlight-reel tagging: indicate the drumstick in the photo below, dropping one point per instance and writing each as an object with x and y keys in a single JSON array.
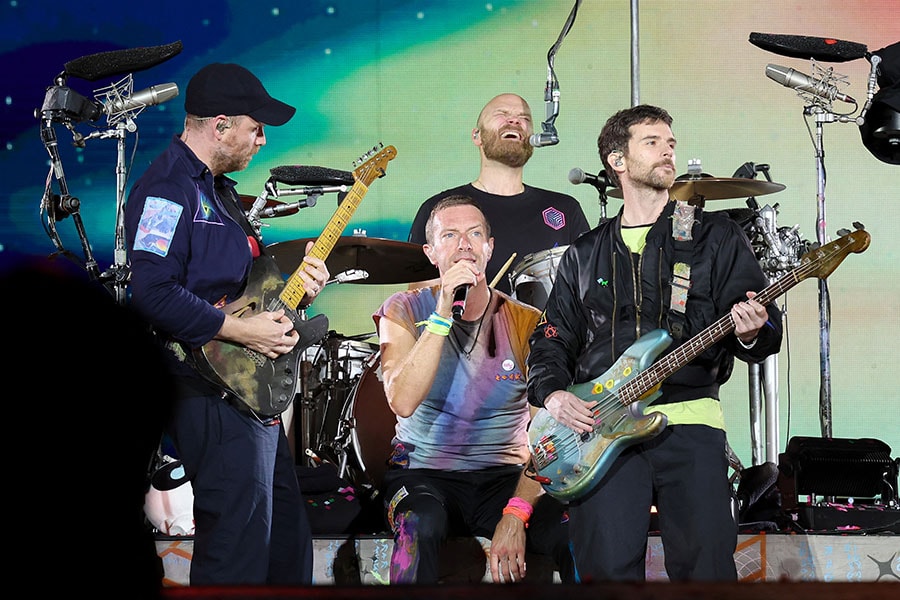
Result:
[{"x": 500, "y": 274}]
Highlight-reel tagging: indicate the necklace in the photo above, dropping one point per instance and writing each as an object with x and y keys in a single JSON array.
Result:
[{"x": 460, "y": 345}]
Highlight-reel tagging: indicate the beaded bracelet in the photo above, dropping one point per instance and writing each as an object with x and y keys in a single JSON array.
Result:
[
  {"x": 437, "y": 324},
  {"x": 519, "y": 508}
]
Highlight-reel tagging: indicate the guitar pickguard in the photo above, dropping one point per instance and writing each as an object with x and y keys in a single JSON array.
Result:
[
  {"x": 573, "y": 463},
  {"x": 267, "y": 386}
]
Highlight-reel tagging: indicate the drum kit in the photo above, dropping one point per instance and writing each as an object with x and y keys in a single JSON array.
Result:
[{"x": 346, "y": 420}]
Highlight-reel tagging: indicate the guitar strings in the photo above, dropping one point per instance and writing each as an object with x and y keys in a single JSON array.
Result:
[{"x": 612, "y": 403}]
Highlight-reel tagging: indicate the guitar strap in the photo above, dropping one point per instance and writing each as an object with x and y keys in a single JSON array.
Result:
[
  {"x": 232, "y": 203},
  {"x": 684, "y": 218}
]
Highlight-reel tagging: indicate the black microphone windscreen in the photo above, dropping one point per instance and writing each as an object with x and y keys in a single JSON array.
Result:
[
  {"x": 302, "y": 175},
  {"x": 116, "y": 62},
  {"x": 801, "y": 46}
]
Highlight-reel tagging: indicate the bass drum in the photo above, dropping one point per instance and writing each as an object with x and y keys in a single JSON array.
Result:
[
  {"x": 532, "y": 278},
  {"x": 371, "y": 425}
]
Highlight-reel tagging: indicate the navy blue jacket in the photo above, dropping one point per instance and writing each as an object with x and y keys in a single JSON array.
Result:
[{"x": 188, "y": 256}]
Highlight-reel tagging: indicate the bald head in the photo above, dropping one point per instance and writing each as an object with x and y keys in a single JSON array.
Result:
[{"x": 506, "y": 103}]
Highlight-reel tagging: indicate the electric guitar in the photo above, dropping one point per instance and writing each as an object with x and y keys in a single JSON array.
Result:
[
  {"x": 268, "y": 386},
  {"x": 569, "y": 465}
]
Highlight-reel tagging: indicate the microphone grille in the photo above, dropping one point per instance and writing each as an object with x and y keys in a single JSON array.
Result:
[{"x": 576, "y": 176}]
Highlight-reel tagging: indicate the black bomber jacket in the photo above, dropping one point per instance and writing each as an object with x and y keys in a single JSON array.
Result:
[{"x": 604, "y": 298}]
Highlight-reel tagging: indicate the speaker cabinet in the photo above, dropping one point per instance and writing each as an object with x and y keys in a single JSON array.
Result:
[{"x": 835, "y": 467}]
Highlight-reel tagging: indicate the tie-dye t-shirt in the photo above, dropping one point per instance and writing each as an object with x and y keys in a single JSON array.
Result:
[{"x": 476, "y": 412}]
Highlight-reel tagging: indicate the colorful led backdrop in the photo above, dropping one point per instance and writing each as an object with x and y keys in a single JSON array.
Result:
[{"x": 414, "y": 74}]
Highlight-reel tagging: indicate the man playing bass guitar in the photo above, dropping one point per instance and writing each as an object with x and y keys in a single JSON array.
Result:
[{"x": 658, "y": 265}]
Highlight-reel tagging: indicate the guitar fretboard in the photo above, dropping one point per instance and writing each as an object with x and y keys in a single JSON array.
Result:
[{"x": 820, "y": 263}]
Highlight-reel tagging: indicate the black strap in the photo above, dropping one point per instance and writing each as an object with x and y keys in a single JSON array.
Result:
[{"x": 232, "y": 203}]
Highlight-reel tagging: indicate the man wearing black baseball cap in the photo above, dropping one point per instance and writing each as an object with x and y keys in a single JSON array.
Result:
[
  {"x": 230, "y": 89},
  {"x": 191, "y": 251}
]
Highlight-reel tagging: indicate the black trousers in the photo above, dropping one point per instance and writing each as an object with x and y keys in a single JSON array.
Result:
[
  {"x": 439, "y": 504},
  {"x": 686, "y": 469}
]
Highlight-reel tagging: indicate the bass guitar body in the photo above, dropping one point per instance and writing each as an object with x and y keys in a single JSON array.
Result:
[{"x": 571, "y": 464}]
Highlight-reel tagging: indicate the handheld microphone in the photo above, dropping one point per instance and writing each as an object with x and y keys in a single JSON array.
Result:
[
  {"x": 804, "y": 83},
  {"x": 459, "y": 301},
  {"x": 151, "y": 96},
  {"x": 599, "y": 180}
]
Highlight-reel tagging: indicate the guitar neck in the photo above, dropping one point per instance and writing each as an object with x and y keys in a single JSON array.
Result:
[
  {"x": 648, "y": 379},
  {"x": 363, "y": 175},
  {"x": 294, "y": 290}
]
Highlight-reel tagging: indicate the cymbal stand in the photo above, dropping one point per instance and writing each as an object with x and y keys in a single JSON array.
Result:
[{"x": 307, "y": 398}]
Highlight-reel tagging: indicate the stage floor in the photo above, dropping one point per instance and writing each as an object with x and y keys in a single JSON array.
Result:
[{"x": 781, "y": 557}]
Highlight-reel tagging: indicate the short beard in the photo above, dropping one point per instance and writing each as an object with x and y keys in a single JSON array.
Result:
[
  {"x": 225, "y": 162},
  {"x": 654, "y": 181},
  {"x": 507, "y": 152}
]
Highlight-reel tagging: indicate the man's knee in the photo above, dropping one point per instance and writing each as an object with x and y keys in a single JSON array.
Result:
[{"x": 418, "y": 513}]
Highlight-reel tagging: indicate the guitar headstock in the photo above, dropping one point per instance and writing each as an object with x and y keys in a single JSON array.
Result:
[
  {"x": 373, "y": 163},
  {"x": 822, "y": 261}
]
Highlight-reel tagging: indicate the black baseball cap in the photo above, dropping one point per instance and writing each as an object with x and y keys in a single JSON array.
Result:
[{"x": 230, "y": 89}]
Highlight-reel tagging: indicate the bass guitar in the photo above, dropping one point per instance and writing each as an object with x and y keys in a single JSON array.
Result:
[
  {"x": 569, "y": 465},
  {"x": 268, "y": 386}
]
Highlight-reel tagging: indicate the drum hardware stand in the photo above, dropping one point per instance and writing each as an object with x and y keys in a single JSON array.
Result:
[
  {"x": 307, "y": 407},
  {"x": 329, "y": 395},
  {"x": 782, "y": 251}
]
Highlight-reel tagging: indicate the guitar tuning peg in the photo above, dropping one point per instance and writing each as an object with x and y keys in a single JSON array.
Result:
[
  {"x": 844, "y": 231},
  {"x": 859, "y": 226},
  {"x": 814, "y": 246}
]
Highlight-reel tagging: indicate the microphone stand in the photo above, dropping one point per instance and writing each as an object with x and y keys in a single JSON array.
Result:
[
  {"x": 823, "y": 115},
  {"x": 67, "y": 203},
  {"x": 602, "y": 198},
  {"x": 117, "y": 275},
  {"x": 820, "y": 107}
]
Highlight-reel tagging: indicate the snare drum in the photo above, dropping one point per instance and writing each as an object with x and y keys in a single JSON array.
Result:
[
  {"x": 372, "y": 424},
  {"x": 533, "y": 277}
]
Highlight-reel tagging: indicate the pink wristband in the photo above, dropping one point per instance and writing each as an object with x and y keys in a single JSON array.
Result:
[{"x": 522, "y": 505}]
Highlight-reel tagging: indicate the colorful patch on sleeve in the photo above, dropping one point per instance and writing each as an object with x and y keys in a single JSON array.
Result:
[{"x": 157, "y": 225}]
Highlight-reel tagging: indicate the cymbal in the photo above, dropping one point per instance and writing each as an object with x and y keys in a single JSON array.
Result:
[
  {"x": 715, "y": 188},
  {"x": 247, "y": 204},
  {"x": 385, "y": 261}
]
